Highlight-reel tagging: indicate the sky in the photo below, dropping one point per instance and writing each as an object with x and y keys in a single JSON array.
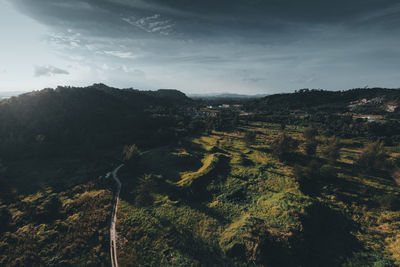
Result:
[{"x": 207, "y": 46}]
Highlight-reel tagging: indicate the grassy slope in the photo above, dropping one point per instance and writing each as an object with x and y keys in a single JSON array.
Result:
[
  {"x": 60, "y": 217},
  {"x": 257, "y": 190}
]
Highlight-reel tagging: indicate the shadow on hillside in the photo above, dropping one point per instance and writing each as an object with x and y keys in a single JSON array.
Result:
[{"x": 327, "y": 237}]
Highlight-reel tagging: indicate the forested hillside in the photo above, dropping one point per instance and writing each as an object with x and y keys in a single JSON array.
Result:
[
  {"x": 84, "y": 120},
  {"x": 332, "y": 101},
  {"x": 54, "y": 144}
]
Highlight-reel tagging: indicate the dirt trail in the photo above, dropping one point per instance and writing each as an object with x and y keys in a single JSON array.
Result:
[{"x": 113, "y": 233}]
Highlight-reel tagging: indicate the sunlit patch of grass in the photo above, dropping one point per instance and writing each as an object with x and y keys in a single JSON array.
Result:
[
  {"x": 235, "y": 233},
  {"x": 90, "y": 194},
  {"x": 199, "y": 223},
  {"x": 179, "y": 152},
  {"x": 209, "y": 163},
  {"x": 260, "y": 157},
  {"x": 207, "y": 142},
  {"x": 33, "y": 197},
  {"x": 281, "y": 210},
  {"x": 166, "y": 234},
  {"x": 277, "y": 183},
  {"x": 394, "y": 247}
]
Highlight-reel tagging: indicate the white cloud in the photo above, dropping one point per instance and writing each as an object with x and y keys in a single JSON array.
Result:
[
  {"x": 48, "y": 70},
  {"x": 152, "y": 24},
  {"x": 120, "y": 54},
  {"x": 68, "y": 39}
]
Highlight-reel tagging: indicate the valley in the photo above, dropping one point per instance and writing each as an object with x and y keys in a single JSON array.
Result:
[{"x": 302, "y": 179}]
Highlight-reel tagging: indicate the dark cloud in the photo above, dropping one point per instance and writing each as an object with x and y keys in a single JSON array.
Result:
[
  {"x": 266, "y": 43},
  {"x": 48, "y": 71},
  {"x": 205, "y": 18}
]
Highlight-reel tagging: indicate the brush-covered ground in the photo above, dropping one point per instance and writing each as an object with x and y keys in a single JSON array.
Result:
[
  {"x": 218, "y": 200},
  {"x": 55, "y": 212}
]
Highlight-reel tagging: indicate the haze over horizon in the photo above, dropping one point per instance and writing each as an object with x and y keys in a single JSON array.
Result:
[{"x": 246, "y": 47}]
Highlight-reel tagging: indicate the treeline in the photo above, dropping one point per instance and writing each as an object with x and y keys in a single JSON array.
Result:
[
  {"x": 320, "y": 100},
  {"x": 344, "y": 126}
]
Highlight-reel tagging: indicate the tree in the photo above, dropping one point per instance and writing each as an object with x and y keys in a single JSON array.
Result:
[
  {"x": 310, "y": 133},
  {"x": 332, "y": 151},
  {"x": 307, "y": 176},
  {"x": 48, "y": 209},
  {"x": 373, "y": 157},
  {"x": 5, "y": 218},
  {"x": 284, "y": 147},
  {"x": 144, "y": 195},
  {"x": 311, "y": 147},
  {"x": 250, "y": 137},
  {"x": 130, "y": 153}
]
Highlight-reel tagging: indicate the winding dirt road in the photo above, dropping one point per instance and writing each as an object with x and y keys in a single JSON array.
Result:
[{"x": 113, "y": 233}]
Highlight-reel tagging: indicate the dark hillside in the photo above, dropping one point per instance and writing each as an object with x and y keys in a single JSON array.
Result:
[
  {"x": 306, "y": 99},
  {"x": 61, "y": 120}
]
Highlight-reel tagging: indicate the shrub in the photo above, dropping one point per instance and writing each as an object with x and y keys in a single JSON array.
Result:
[
  {"x": 372, "y": 157},
  {"x": 390, "y": 202},
  {"x": 284, "y": 147},
  {"x": 332, "y": 151},
  {"x": 308, "y": 172},
  {"x": 327, "y": 171},
  {"x": 49, "y": 209},
  {"x": 250, "y": 137},
  {"x": 311, "y": 147},
  {"x": 131, "y": 152},
  {"x": 310, "y": 133},
  {"x": 144, "y": 195},
  {"x": 384, "y": 262}
]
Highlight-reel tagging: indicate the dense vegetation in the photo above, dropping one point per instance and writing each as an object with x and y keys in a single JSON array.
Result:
[
  {"x": 58, "y": 122},
  {"x": 302, "y": 179}
]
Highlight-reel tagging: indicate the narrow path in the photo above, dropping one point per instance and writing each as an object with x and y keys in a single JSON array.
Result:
[{"x": 113, "y": 233}]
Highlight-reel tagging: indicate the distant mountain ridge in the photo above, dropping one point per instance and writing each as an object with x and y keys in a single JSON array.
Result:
[
  {"x": 8, "y": 94},
  {"x": 319, "y": 100},
  {"x": 225, "y": 95}
]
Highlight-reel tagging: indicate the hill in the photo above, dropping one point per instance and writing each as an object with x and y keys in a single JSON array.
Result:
[
  {"x": 57, "y": 121},
  {"x": 374, "y": 99},
  {"x": 225, "y": 95}
]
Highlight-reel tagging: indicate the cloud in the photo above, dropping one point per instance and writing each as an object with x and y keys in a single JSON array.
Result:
[
  {"x": 120, "y": 54},
  {"x": 132, "y": 70},
  {"x": 194, "y": 45},
  {"x": 152, "y": 24},
  {"x": 48, "y": 71}
]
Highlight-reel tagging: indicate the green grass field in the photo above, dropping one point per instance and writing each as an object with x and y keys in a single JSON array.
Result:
[{"x": 253, "y": 201}]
